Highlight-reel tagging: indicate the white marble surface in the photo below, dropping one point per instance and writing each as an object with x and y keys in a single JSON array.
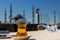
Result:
[{"x": 41, "y": 35}]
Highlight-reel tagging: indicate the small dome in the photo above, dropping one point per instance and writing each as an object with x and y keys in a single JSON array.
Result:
[{"x": 21, "y": 20}]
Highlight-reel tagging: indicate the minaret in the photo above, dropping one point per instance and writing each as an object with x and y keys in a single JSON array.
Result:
[
  {"x": 24, "y": 13},
  {"x": 41, "y": 17},
  {"x": 5, "y": 16},
  {"x": 37, "y": 16},
  {"x": 33, "y": 14},
  {"x": 10, "y": 12},
  {"x": 54, "y": 17}
]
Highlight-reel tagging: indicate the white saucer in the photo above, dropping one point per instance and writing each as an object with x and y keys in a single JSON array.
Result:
[{"x": 21, "y": 38}]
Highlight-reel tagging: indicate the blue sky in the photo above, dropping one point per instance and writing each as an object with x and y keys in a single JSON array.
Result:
[{"x": 46, "y": 9}]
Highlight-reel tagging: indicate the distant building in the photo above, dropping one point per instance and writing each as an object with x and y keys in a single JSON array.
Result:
[{"x": 15, "y": 18}]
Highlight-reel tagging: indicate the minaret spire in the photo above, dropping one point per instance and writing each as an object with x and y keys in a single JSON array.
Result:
[
  {"x": 24, "y": 13},
  {"x": 10, "y": 12},
  {"x": 54, "y": 17},
  {"x": 33, "y": 14},
  {"x": 5, "y": 16}
]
